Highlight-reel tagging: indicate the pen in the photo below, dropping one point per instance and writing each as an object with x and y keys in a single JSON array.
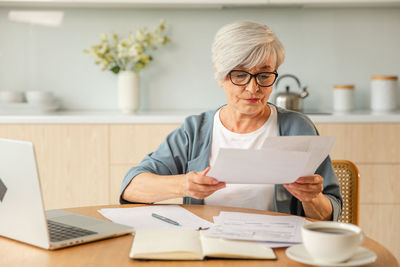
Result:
[{"x": 165, "y": 219}]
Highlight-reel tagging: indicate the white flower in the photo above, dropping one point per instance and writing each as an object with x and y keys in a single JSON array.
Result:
[
  {"x": 129, "y": 53},
  {"x": 104, "y": 36}
]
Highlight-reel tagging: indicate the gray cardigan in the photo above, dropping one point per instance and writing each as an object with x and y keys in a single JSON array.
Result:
[{"x": 188, "y": 149}]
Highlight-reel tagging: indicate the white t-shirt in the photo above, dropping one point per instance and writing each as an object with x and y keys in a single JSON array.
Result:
[{"x": 252, "y": 196}]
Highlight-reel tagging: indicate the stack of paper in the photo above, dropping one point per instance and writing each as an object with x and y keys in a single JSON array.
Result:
[
  {"x": 281, "y": 160},
  {"x": 273, "y": 231}
]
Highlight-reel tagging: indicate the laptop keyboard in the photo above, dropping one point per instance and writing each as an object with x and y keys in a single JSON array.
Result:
[{"x": 59, "y": 231}]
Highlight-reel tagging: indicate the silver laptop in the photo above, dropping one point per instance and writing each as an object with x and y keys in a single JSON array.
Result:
[{"x": 22, "y": 215}]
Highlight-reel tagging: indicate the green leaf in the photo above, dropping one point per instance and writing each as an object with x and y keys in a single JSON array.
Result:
[
  {"x": 138, "y": 67},
  {"x": 115, "y": 69}
]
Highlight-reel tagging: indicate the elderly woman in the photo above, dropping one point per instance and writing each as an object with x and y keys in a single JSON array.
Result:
[{"x": 246, "y": 57}]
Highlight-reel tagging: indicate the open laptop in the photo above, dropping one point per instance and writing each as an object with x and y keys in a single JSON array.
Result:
[{"x": 22, "y": 215}]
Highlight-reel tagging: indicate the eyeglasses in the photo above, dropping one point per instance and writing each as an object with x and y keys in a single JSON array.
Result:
[{"x": 263, "y": 79}]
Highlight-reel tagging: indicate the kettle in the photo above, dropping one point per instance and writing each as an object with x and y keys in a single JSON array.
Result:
[{"x": 290, "y": 100}]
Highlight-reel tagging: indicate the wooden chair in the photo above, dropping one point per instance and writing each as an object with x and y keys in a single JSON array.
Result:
[{"x": 349, "y": 180}]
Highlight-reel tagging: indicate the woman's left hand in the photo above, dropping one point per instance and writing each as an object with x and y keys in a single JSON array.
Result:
[{"x": 306, "y": 188}]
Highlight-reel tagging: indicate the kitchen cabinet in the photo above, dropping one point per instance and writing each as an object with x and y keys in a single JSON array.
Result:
[
  {"x": 129, "y": 143},
  {"x": 73, "y": 162},
  {"x": 367, "y": 143}
]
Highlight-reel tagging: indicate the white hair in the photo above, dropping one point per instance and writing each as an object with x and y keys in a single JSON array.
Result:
[{"x": 245, "y": 44}]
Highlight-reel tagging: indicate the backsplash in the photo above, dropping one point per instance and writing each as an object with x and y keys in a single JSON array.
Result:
[{"x": 324, "y": 46}]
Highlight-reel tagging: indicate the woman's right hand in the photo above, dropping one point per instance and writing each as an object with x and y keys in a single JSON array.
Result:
[{"x": 198, "y": 185}]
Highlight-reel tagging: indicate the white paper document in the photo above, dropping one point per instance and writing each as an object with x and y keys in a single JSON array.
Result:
[
  {"x": 141, "y": 218},
  {"x": 273, "y": 230},
  {"x": 318, "y": 146},
  {"x": 263, "y": 166},
  {"x": 282, "y": 160}
]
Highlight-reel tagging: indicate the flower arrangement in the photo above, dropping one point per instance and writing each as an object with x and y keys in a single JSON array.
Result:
[{"x": 130, "y": 53}]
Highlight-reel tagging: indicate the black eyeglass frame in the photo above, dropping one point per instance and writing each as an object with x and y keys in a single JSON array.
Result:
[{"x": 255, "y": 77}]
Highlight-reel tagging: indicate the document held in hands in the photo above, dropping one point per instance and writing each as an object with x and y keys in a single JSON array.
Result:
[
  {"x": 174, "y": 244},
  {"x": 282, "y": 160}
]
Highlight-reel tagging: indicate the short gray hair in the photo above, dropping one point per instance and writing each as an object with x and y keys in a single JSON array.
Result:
[{"x": 245, "y": 44}]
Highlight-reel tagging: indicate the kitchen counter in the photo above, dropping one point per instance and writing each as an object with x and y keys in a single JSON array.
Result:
[{"x": 169, "y": 117}]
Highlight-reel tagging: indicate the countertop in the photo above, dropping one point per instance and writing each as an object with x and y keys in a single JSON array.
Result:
[{"x": 170, "y": 117}]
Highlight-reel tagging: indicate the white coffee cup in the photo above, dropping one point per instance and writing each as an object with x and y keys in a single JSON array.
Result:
[
  {"x": 11, "y": 97},
  {"x": 39, "y": 97},
  {"x": 331, "y": 242}
]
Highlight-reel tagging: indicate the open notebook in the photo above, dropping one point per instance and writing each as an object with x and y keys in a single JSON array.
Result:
[{"x": 179, "y": 244}]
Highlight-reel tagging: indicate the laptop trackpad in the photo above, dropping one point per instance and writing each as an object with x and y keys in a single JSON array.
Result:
[{"x": 77, "y": 220}]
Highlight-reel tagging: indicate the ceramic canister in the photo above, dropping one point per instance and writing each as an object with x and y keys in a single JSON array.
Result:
[
  {"x": 343, "y": 97},
  {"x": 383, "y": 93}
]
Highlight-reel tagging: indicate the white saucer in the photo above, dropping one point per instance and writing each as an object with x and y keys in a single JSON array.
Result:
[{"x": 361, "y": 257}]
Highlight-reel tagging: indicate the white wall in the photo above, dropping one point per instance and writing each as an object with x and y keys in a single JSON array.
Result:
[{"x": 324, "y": 47}]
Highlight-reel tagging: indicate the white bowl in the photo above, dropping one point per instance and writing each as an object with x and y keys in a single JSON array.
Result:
[
  {"x": 11, "y": 97},
  {"x": 39, "y": 97}
]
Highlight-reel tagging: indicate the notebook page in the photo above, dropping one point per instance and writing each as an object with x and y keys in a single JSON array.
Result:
[
  {"x": 224, "y": 248},
  {"x": 166, "y": 244}
]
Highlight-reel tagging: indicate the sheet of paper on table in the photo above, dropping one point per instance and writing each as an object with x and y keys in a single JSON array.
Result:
[
  {"x": 282, "y": 160},
  {"x": 140, "y": 217},
  {"x": 273, "y": 230}
]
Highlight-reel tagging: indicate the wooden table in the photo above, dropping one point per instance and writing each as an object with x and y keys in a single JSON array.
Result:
[{"x": 115, "y": 251}]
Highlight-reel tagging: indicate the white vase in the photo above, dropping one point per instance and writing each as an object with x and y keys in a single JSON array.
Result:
[{"x": 128, "y": 91}]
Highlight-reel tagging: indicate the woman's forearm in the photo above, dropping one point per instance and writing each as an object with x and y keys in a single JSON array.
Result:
[
  {"x": 319, "y": 208},
  {"x": 148, "y": 188}
]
